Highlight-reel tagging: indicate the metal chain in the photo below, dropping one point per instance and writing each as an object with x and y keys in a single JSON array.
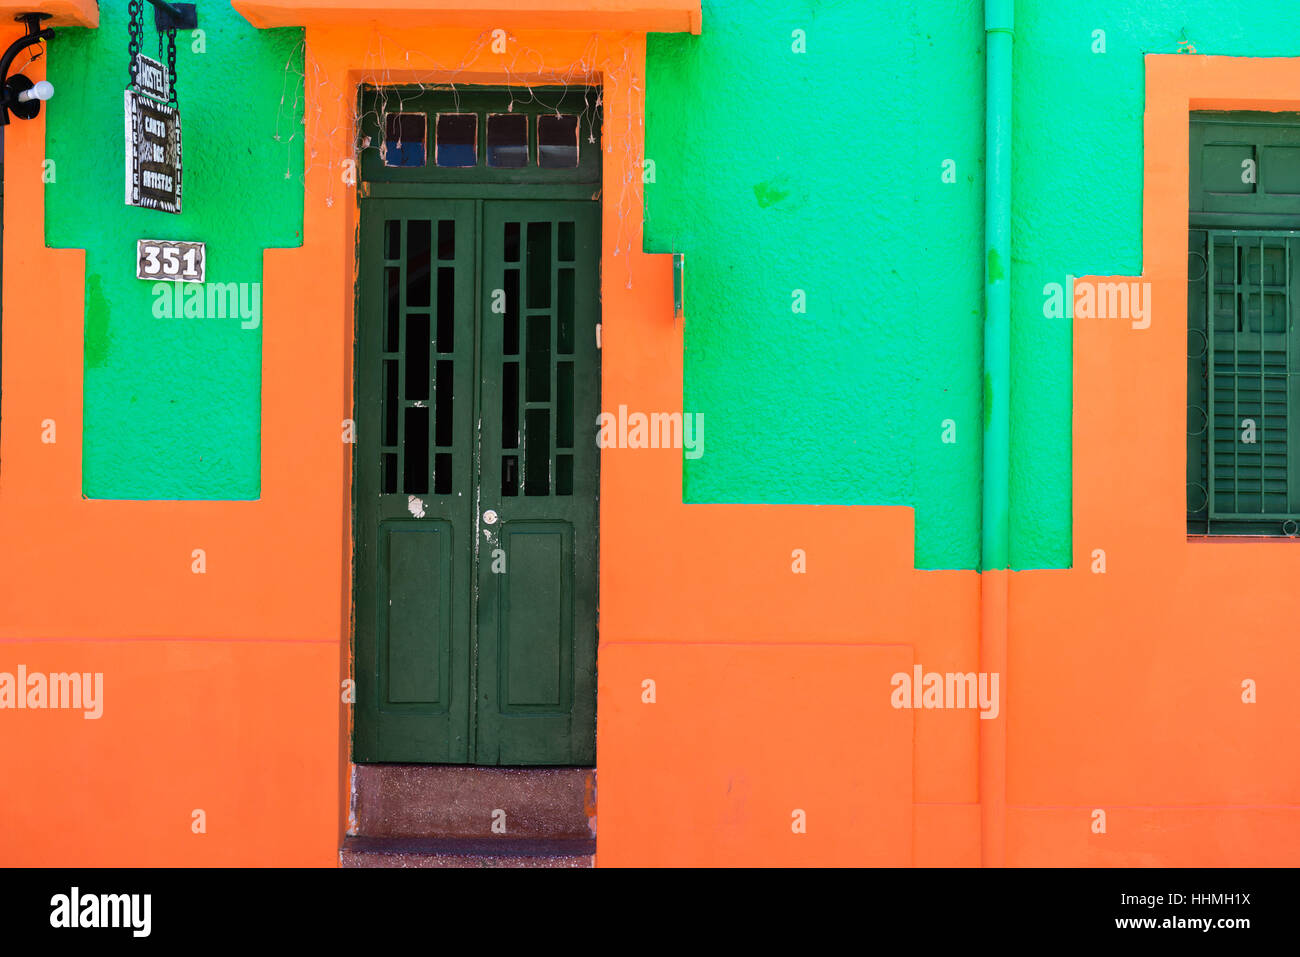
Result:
[
  {"x": 171, "y": 63},
  {"x": 135, "y": 30}
]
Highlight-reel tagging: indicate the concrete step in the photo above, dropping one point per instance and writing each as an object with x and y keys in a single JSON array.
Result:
[
  {"x": 466, "y": 852},
  {"x": 494, "y": 804}
]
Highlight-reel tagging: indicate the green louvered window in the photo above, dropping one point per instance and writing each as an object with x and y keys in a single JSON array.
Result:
[{"x": 1243, "y": 355}]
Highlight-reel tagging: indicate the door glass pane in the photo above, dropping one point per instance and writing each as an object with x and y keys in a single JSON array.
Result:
[
  {"x": 537, "y": 452},
  {"x": 446, "y": 239},
  {"x": 564, "y": 405},
  {"x": 447, "y": 309},
  {"x": 393, "y": 318},
  {"x": 442, "y": 473},
  {"x": 393, "y": 239},
  {"x": 538, "y": 386},
  {"x": 539, "y": 265},
  {"x": 417, "y": 356},
  {"x": 510, "y": 319},
  {"x": 507, "y": 135},
  {"x": 564, "y": 475},
  {"x": 416, "y": 479},
  {"x": 419, "y": 248},
  {"x": 405, "y": 136},
  {"x": 390, "y": 403},
  {"x": 566, "y": 243},
  {"x": 511, "y": 250},
  {"x": 557, "y": 141},
  {"x": 510, "y": 405},
  {"x": 457, "y": 139},
  {"x": 445, "y": 397},
  {"x": 564, "y": 311}
]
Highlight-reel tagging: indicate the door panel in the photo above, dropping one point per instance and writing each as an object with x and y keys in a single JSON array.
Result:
[
  {"x": 535, "y": 606},
  {"x": 539, "y": 462},
  {"x": 414, "y": 480},
  {"x": 415, "y": 625}
]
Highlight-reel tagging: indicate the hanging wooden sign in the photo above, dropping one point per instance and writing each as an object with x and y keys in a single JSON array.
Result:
[
  {"x": 151, "y": 78},
  {"x": 153, "y": 154}
]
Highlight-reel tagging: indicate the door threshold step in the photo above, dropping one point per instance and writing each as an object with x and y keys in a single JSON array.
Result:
[
  {"x": 360, "y": 851},
  {"x": 444, "y": 802}
]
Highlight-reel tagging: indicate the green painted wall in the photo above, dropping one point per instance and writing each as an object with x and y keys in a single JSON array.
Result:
[
  {"x": 823, "y": 171},
  {"x": 173, "y": 405},
  {"x": 777, "y": 171}
]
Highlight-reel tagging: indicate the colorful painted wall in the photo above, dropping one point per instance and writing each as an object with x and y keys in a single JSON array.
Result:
[
  {"x": 834, "y": 280},
  {"x": 173, "y": 406},
  {"x": 1078, "y": 194},
  {"x": 827, "y": 540},
  {"x": 218, "y": 739},
  {"x": 815, "y": 175},
  {"x": 1133, "y": 732}
]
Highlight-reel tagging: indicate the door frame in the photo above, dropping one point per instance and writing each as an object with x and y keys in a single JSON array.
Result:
[{"x": 308, "y": 378}]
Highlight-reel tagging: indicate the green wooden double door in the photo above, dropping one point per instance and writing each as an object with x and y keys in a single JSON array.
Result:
[{"x": 476, "y": 481}]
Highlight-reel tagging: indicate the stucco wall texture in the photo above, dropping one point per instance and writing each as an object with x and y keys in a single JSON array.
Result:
[
  {"x": 1077, "y": 203},
  {"x": 812, "y": 178},
  {"x": 1127, "y": 695},
  {"x": 822, "y": 171},
  {"x": 173, "y": 406},
  {"x": 776, "y": 171}
]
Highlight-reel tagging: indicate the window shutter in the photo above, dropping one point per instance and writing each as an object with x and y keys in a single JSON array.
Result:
[{"x": 1243, "y": 424}]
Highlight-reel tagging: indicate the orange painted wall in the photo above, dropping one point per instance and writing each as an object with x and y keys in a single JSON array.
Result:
[
  {"x": 1122, "y": 690},
  {"x": 1125, "y": 687},
  {"x": 221, "y": 689},
  {"x": 776, "y": 680},
  {"x": 641, "y": 16},
  {"x": 772, "y": 688}
]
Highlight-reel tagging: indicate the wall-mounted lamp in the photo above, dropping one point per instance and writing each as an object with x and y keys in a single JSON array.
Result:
[
  {"x": 175, "y": 16},
  {"x": 21, "y": 97}
]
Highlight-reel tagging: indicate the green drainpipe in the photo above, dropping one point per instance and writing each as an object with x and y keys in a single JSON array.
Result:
[
  {"x": 995, "y": 532},
  {"x": 996, "y": 506}
]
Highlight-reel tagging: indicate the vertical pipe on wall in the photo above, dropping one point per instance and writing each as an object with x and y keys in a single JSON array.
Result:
[{"x": 999, "y": 20}]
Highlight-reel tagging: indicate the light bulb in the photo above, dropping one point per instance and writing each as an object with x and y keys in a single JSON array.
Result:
[{"x": 41, "y": 90}]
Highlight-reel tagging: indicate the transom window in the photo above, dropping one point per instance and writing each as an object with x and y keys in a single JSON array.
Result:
[
  {"x": 515, "y": 141},
  {"x": 548, "y": 132}
]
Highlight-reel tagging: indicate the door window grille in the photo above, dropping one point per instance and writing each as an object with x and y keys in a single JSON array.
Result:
[{"x": 418, "y": 401}]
